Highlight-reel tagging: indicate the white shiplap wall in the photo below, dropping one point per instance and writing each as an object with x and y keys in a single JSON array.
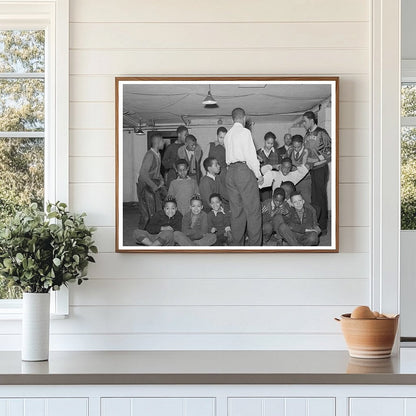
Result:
[{"x": 181, "y": 301}]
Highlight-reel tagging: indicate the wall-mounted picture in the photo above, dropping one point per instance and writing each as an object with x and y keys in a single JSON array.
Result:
[{"x": 236, "y": 164}]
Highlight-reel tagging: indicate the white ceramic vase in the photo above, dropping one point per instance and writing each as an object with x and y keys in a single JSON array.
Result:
[{"x": 35, "y": 326}]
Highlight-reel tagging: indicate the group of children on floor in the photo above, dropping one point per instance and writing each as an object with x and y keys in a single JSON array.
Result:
[
  {"x": 199, "y": 215},
  {"x": 192, "y": 215}
]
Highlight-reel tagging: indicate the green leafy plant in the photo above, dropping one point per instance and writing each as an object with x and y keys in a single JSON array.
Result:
[{"x": 43, "y": 251}]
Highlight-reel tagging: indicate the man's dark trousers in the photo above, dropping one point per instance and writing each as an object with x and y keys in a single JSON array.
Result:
[
  {"x": 243, "y": 192},
  {"x": 319, "y": 197}
]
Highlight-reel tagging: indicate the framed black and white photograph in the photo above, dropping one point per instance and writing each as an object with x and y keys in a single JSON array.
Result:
[{"x": 235, "y": 164}]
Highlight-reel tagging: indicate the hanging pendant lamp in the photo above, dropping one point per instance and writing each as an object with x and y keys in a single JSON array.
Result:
[{"x": 209, "y": 99}]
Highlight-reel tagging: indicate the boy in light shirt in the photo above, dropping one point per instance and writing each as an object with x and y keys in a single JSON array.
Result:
[{"x": 183, "y": 187}]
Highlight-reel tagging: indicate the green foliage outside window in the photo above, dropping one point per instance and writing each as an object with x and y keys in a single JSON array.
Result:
[
  {"x": 408, "y": 160},
  {"x": 21, "y": 110}
]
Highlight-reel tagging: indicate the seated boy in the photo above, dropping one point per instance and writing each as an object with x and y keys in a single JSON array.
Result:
[
  {"x": 195, "y": 227},
  {"x": 301, "y": 227},
  {"x": 161, "y": 226},
  {"x": 219, "y": 221},
  {"x": 274, "y": 210},
  {"x": 183, "y": 187},
  {"x": 209, "y": 184}
]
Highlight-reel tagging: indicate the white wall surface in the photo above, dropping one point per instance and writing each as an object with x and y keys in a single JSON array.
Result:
[{"x": 214, "y": 301}]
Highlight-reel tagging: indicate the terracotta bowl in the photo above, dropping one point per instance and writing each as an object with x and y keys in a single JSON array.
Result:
[{"x": 369, "y": 338}]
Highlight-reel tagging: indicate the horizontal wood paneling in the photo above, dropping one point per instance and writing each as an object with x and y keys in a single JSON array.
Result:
[
  {"x": 146, "y": 342},
  {"x": 93, "y": 143},
  {"x": 221, "y": 35},
  {"x": 354, "y": 142},
  {"x": 99, "y": 115},
  {"x": 219, "y": 62},
  {"x": 218, "y": 11},
  {"x": 220, "y": 291},
  {"x": 354, "y": 170},
  {"x": 354, "y": 239},
  {"x": 250, "y": 266},
  {"x": 92, "y": 169},
  {"x": 99, "y": 88},
  {"x": 354, "y": 200},
  {"x": 96, "y": 199},
  {"x": 201, "y": 319},
  {"x": 194, "y": 320},
  {"x": 108, "y": 39},
  {"x": 105, "y": 239}
]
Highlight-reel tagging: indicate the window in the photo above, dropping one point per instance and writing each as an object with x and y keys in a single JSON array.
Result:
[
  {"x": 22, "y": 124},
  {"x": 33, "y": 111},
  {"x": 408, "y": 156}
]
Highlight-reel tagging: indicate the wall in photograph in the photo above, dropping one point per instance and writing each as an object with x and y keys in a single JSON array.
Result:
[{"x": 214, "y": 301}]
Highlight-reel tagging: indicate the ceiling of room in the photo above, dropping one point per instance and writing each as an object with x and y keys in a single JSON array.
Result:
[{"x": 173, "y": 104}]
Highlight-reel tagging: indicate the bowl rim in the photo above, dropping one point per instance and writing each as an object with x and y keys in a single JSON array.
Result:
[{"x": 347, "y": 316}]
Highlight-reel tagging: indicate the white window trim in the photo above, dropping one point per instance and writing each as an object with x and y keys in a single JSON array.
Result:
[
  {"x": 385, "y": 210},
  {"x": 53, "y": 16}
]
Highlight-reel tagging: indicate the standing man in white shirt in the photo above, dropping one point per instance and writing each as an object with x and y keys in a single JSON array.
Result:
[{"x": 242, "y": 180}]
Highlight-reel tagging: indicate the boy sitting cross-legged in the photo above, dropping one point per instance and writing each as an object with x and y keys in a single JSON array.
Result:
[
  {"x": 219, "y": 221},
  {"x": 301, "y": 227},
  {"x": 274, "y": 211},
  {"x": 161, "y": 226},
  {"x": 195, "y": 227}
]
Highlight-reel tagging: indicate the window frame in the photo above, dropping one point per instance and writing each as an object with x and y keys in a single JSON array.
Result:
[
  {"x": 408, "y": 75},
  {"x": 53, "y": 17}
]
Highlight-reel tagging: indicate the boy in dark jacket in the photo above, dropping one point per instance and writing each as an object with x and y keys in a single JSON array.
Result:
[
  {"x": 195, "y": 227},
  {"x": 210, "y": 183},
  {"x": 273, "y": 212},
  {"x": 161, "y": 226},
  {"x": 219, "y": 222},
  {"x": 301, "y": 227}
]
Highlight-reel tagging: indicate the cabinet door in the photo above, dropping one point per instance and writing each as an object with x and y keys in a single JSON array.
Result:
[
  {"x": 44, "y": 407},
  {"x": 160, "y": 406},
  {"x": 270, "y": 406},
  {"x": 376, "y": 406}
]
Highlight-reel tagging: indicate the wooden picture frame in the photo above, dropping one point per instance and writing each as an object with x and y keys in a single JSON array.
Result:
[{"x": 149, "y": 111}]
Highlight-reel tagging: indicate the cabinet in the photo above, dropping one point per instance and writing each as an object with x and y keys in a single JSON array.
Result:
[
  {"x": 159, "y": 406},
  {"x": 208, "y": 400},
  {"x": 281, "y": 407},
  {"x": 382, "y": 406},
  {"x": 44, "y": 407}
]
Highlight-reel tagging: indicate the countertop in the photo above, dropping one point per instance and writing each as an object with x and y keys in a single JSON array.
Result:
[{"x": 207, "y": 367}]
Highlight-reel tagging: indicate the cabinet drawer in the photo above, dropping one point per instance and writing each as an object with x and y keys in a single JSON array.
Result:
[
  {"x": 44, "y": 407},
  {"x": 376, "y": 406},
  {"x": 160, "y": 406},
  {"x": 281, "y": 406}
]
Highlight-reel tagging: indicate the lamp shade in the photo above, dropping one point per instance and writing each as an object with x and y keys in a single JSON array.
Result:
[{"x": 209, "y": 99}]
